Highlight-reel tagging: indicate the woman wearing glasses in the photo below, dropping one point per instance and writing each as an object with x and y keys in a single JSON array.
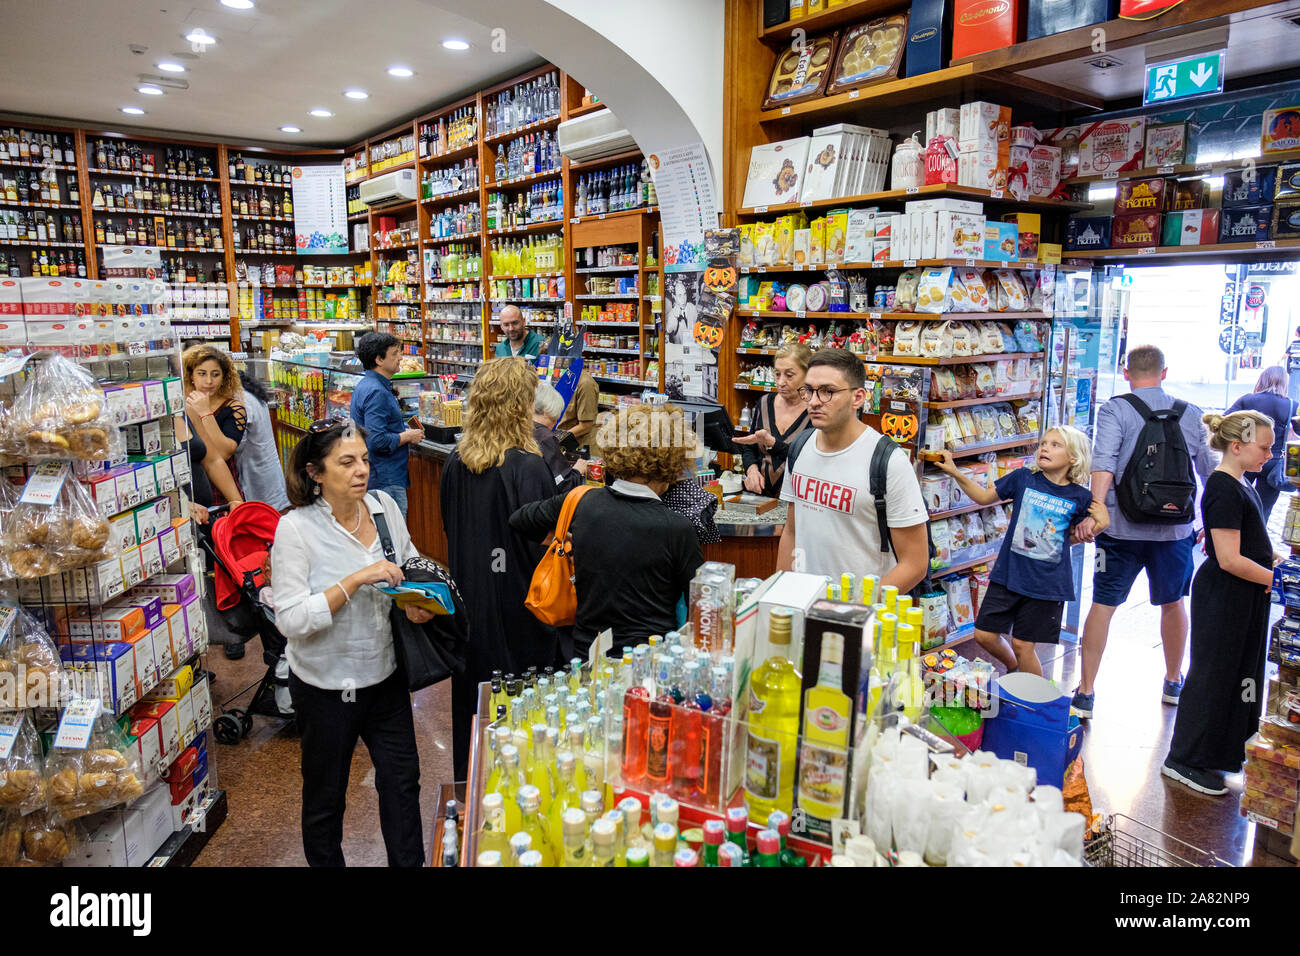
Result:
[
  {"x": 495, "y": 469},
  {"x": 343, "y": 673},
  {"x": 780, "y": 418}
]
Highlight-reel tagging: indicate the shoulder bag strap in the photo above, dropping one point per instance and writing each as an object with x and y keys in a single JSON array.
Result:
[
  {"x": 796, "y": 445},
  {"x": 385, "y": 539},
  {"x": 566, "y": 516},
  {"x": 879, "y": 472}
]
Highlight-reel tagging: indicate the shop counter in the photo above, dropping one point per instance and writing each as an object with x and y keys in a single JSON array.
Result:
[
  {"x": 424, "y": 502},
  {"x": 749, "y": 542}
]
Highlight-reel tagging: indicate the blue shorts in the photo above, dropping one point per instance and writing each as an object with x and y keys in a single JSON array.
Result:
[{"x": 1168, "y": 565}]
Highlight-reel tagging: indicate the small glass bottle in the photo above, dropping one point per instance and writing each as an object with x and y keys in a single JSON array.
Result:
[
  {"x": 665, "y": 844},
  {"x": 535, "y": 824},
  {"x": 520, "y": 843},
  {"x": 602, "y": 844},
  {"x": 492, "y": 835},
  {"x": 715, "y": 834},
  {"x": 574, "y": 827},
  {"x": 637, "y": 856}
]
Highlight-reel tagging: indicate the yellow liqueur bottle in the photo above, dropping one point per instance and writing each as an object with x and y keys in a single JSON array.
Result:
[
  {"x": 536, "y": 825},
  {"x": 824, "y": 756},
  {"x": 493, "y": 835},
  {"x": 567, "y": 795},
  {"x": 774, "y": 696}
]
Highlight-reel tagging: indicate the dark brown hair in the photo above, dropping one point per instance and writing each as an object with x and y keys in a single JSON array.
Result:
[
  {"x": 312, "y": 449},
  {"x": 845, "y": 362}
]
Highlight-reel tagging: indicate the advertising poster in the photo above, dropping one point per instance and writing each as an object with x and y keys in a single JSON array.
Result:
[
  {"x": 697, "y": 307},
  {"x": 320, "y": 210}
]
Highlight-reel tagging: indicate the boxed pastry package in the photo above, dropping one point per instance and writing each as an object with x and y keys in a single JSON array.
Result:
[
  {"x": 799, "y": 76},
  {"x": 1286, "y": 220},
  {"x": 1066, "y": 138},
  {"x": 983, "y": 168},
  {"x": 1141, "y": 195},
  {"x": 1245, "y": 223},
  {"x": 1044, "y": 171},
  {"x": 1001, "y": 241},
  {"x": 942, "y": 122},
  {"x": 929, "y": 36},
  {"x": 1029, "y": 225},
  {"x": 1287, "y": 182},
  {"x": 984, "y": 126},
  {"x": 960, "y": 235},
  {"x": 1248, "y": 187},
  {"x": 1018, "y": 173},
  {"x": 775, "y": 172},
  {"x": 1187, "y": 194},
  {"x": 979, "y": 26},
  {"x": 1280, "y": 130},
  {"x": 1191, "y": 227},
  {"x": 1047, "y": 17},
  {"x": 869, "y": 52},
  {"x": 1112, "y": 146},
  {"x": 1166, "y": 144},
  {"x": 1088, "y": 232}
]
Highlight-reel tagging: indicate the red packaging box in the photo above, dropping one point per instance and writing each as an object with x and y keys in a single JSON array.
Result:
[
  {"x": 182, "y": 767},
  {"x": 1142, "y": 229},
  {"x": 982, "y": 25},
  {"x": 1141, "y": 196}
]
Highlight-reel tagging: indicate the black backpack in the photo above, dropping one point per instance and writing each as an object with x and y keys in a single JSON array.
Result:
[
  {"x": 1158, "y": 485},
  {"x": 879, "y": 471}
]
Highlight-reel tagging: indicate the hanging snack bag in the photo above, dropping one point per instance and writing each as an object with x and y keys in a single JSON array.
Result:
[
  {"x": 104, "y": 774},
  {"x": 31, "y": 672},
  {"x": 22, "y": 773},
  {"x": 937, "y": 340},
  {"x": 62, "y": 413},
  {"x": 907, "y": 337},
  {"x": 932, "y": 293},
  {"x": 905, "y": 297},
  {"x": 44, "y": 538}
]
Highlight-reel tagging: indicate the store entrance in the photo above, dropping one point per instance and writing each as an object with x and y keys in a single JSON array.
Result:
[{"x": 1218, "y": 325}]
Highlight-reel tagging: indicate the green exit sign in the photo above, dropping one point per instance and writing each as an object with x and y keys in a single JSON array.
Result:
[{"x": 1178, "y": 79}]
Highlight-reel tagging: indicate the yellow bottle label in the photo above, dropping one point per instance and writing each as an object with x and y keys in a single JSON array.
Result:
[{"x": 763, "y": 767}]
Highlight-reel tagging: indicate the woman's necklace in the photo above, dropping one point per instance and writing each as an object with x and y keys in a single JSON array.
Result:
[{"x": 360, "y": 514}]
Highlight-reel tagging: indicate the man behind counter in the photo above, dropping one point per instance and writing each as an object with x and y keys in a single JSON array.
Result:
[
  {"x": 519, "y": 340},
  {"x": 375, "y": 408}
]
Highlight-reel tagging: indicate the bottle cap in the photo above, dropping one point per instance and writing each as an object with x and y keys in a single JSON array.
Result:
[
  {"x": 531, "y": 859},
  {"x": 574, "y": 821},
  {"x": 565, "y": 761},
  {"x": 779, "y": 821},
  {"x": 449, "y": 811},
  {"x": 539, "y": 732},
  {"x": 769, "y": 841},
  {"x": 530, "y": 798},
  {"x": 493, "y": 803},
  {"x": 509, "y": 754},
  {"x": 715, "y": 832},
  {"x": 592, "y": 801},
  {"x": 686, "y": 857},
  {"x": 603, "y": 833},
  {"x": 503, "y": 736},
  {"x": 637, "y": 856},
  {"x": 497, "y": 675},
  {"x": 520, "y": 843},
  {"x": 730, "y": 855},
  {"x": 577, "y": 738},
  {"x": 737, "y": 819},
  {"x": 665, "y": 837},
  {"x": 615, "y": 819},
  {"x": 669, "y": 810},
  {"x": 779, "y": 626},
  {"x": 489, "y": 858}
]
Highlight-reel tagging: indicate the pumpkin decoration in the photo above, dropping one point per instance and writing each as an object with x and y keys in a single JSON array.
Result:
[
  {"x": 720, "y": 276},
  {"x": 901, "y": 427},
  {"x": 707, "y": 332}
]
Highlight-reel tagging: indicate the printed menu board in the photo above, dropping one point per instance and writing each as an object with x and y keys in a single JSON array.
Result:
[
  {"x": 320, "y": 210},
  {"x": 687, "y": 205}
]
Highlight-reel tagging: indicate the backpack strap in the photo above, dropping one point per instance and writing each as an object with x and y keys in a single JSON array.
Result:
[
  {"x": 385, "y": 539},
  {"x": 1139, "y": 406},
  {"x": 795, "y": 446},
  {"x": 879, "y": 472}
]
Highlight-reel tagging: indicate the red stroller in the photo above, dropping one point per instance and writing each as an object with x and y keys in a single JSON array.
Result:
[{"x": 240, "y": 545}]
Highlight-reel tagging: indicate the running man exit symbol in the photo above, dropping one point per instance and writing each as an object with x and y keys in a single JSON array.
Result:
[{"x": 1196, "y": 75}]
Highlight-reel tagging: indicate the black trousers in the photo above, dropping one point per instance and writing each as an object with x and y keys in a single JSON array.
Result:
[{"x": 330, "y": 725}]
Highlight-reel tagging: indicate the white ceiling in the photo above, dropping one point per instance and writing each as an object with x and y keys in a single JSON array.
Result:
[{"x": 71, "y": 59}]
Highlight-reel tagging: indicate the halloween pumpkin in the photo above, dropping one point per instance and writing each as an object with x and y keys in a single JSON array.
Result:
[
  {"x": 720, "y": 276},
  {"x": 707, "y": 333},
  {"x": 899, "y": 427}
]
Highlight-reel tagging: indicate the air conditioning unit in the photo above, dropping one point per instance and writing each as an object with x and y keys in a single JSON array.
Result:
[
  {"x": 594, "y": 136},
  {"x": 390, "y": 188}
]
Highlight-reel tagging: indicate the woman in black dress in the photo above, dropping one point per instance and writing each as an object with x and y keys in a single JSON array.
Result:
[
  {"x": 1230, "y": 601},
  {"x": 214, "y": 402},
  {"x": 495, "y": 470},
  {"x": 780, "y": 418}
]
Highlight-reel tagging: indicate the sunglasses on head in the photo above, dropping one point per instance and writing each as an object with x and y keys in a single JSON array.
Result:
[{"x": 326, "y": 424}]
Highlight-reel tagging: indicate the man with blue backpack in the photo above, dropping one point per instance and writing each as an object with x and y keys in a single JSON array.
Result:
[{"x": 1147, "y": 450}]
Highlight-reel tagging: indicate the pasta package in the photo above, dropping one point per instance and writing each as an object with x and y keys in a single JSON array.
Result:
[
  {"x": 869, "y": 52},
  {"x": 932, "y": 292}
]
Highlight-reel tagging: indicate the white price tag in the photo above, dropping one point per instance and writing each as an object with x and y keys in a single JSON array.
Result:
[
  {"x": 1146, "y": 250},
  {"x": 853, "y": 94},
  {"x": 574, "y": 220},
  {"x": 877, "y": 265},
  {"x": 762, "y": 268},
  {"x": 909, "y": 263},
  {"x": 800, "y": 266},
  {"x": 76, "y": 723},
  {"x": 877, "y": 315},
  {"x": 760, "y": 209},
  {"x": 912, "y": 190},
  {"x": 46, "y": 482},
  {"x": 970, "y": 263},
  {"x": 806, "y": 205},
  {"x": 1110, "y": 174},
  {"x": 785, "y": 111},
  {"x": 601, "y": 216},
  {"x": 1164, "y": 170},
  {"x": 801, "y": 314},
  {"x": 9, "y": 726},
  {"x": 1267, "y": 244},
  {"x": 995, "y": 193}
]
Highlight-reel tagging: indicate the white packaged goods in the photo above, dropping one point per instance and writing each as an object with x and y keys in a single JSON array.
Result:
[{"x": 960, "y": 236}]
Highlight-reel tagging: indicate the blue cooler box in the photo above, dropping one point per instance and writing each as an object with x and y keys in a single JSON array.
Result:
[{"x": 1034, "y": 727}]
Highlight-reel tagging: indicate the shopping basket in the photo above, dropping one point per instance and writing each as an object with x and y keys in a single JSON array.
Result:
[{"x": 1119, "y": 840}]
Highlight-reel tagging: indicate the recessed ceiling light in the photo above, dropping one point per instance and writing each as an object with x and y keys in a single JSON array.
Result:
[
  {"x": 149, "y": 90},
  {"x": 455, "y": 45},
  {"x": 290, "y": 129},
  {"x": 356, "y": 94},
  {"x": 168, "y": 66},
  {"x": 238, "y": 4},
  {"x": 321, "y": 114},
  {"x": 198, "y": 35},
  {"x": 133, "y": 110},
  {"x": 401, "y": 71}
]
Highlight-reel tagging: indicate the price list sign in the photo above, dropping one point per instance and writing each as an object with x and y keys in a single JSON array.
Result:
[
  {"x": 687, "y": 205},
  {"x": 320, "y": 210}
]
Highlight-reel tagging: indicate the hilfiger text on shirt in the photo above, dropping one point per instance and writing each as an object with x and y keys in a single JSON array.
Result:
[{"x": 827, "y": 494}]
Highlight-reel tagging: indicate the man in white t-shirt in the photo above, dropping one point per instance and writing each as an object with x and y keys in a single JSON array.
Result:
[{"x": 832, "y": 516}]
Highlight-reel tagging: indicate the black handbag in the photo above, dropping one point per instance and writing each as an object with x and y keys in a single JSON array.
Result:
[{"x": 431, "y": 652}]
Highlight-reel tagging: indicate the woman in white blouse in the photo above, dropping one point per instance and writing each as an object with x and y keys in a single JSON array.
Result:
[{"x": 343, "y": 673}]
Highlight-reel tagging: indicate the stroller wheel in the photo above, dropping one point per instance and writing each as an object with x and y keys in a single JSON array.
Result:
[
  {"x": 246, "y": 723},
  {"x": 227, "y": 729}
]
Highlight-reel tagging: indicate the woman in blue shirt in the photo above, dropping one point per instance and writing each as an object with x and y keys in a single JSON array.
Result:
[{"x": 1270, "y": 398}]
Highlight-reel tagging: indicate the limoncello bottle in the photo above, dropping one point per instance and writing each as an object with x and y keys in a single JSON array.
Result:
[
  {"x": 824, "y": 756},
  {"x": 774, "y": 696},
  {"x": 500, "y": 737},
  {"x": 540, "y": 774},
  {"x": 508, "y": 786},
  {"x": 535, "y": 824},
  {"x": 602, "y": 843},
  {"x": 574, "y": 831},
  {"x": 911, "y": 689},
  {"x": 492, "y": 835},
  {"x": 567, "y": 795}
]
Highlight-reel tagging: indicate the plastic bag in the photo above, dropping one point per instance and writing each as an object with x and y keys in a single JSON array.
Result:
[
  {"x": 974, "y": 529},
  {"x": 103, "y": 775},
  {"x": 22, "y": 773},
  {"x": 965, "y": 341},
  {"x": 30, "y": 662},
  {"x": 62, "y": 413},
  {"x": 1027, "y": 417},
  {"x": 906, "y": 292},
  {"x": 969, "y": 429},
  {"x": 944, "y": 386},
  {"x": 1014, "y": 294},
  {"x": 986, "y": 382},
  {"x": 989, "y": 518},
  {"x": 907, "y": 338},
  {"x": 932, "y": 294},
  {"x": 1027, "y": 337},
  {"x": 70, "y": 533},
  {"x": 939, "y": 534},
  {"x": 937, "y": 340},
  {"x": 969, "y": 292},
  {"x": 951, "y": 430},
  {"x": 991, "y": 338},
  {"x": 38, "y": 839}
]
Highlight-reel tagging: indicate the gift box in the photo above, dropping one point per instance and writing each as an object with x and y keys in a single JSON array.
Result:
[
  {"x": 1129, "y": 232},
  {"x": 1281, "y": 130},
  {"x": 1001, "y": 241},
  {"x": 1088, "y": 232},
  {"x": 1166, "y": 144},
  {"x": 929, "y": 36},
  {"x": 1251, "y": 187},
  {"x": 1044, "y": 171},
  {"x": 1030, "y": 227},
  {"x": 1066, "y": 138},
  {"x": 980, "y": 26},
  {"x": 1286, "y": 220},
  {"x": 1047, "y": 17},
  {"x": 1112, "y": 146},
  {"x": 1187, "y": 194},
  {"x": 1141, "y": 195},
  {"x": 1287, "y": 183},
  {"x": 1246, "y": 223},
  {"x": 1191, "y": 227}
]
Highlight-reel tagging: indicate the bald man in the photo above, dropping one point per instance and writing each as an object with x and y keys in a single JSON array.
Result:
[{"x": 518, "y": 339}]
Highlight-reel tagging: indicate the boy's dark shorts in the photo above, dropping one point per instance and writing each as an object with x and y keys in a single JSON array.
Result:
[{"x": 1024, "y": 618}]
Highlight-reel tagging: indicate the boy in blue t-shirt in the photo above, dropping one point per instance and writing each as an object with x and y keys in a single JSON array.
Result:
[{"x": 1032, "y": 578}]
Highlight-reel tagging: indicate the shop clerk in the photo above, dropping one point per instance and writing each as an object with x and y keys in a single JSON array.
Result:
[{"x": 519, "y": 339}]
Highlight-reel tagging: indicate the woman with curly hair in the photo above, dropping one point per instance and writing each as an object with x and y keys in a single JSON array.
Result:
[
  {"x": 214, "y": 400},
  {"x": 633, "y": 556},
  {"x": 495, "y": 469}
]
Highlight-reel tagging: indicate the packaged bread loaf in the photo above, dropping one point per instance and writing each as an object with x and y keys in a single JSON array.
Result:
[
  {"x": 103, "y": 775},
  {"x": 42, "y": 538},
  {"x": 62, "y": 413},
  {"x": 22, "y": 772},
  {"x": 31, "y": 672}
]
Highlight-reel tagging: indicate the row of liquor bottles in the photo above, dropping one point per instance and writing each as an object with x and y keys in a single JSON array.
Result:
[
  {"x": 135, "y": 158},
  {"x": 41, "y": 185},
  {"x": 144, "y": 196},
  {"x": 27, "y": 146}
]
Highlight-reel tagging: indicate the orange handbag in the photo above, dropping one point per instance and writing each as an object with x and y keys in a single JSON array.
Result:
[{"x": 552, "y": 596}]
